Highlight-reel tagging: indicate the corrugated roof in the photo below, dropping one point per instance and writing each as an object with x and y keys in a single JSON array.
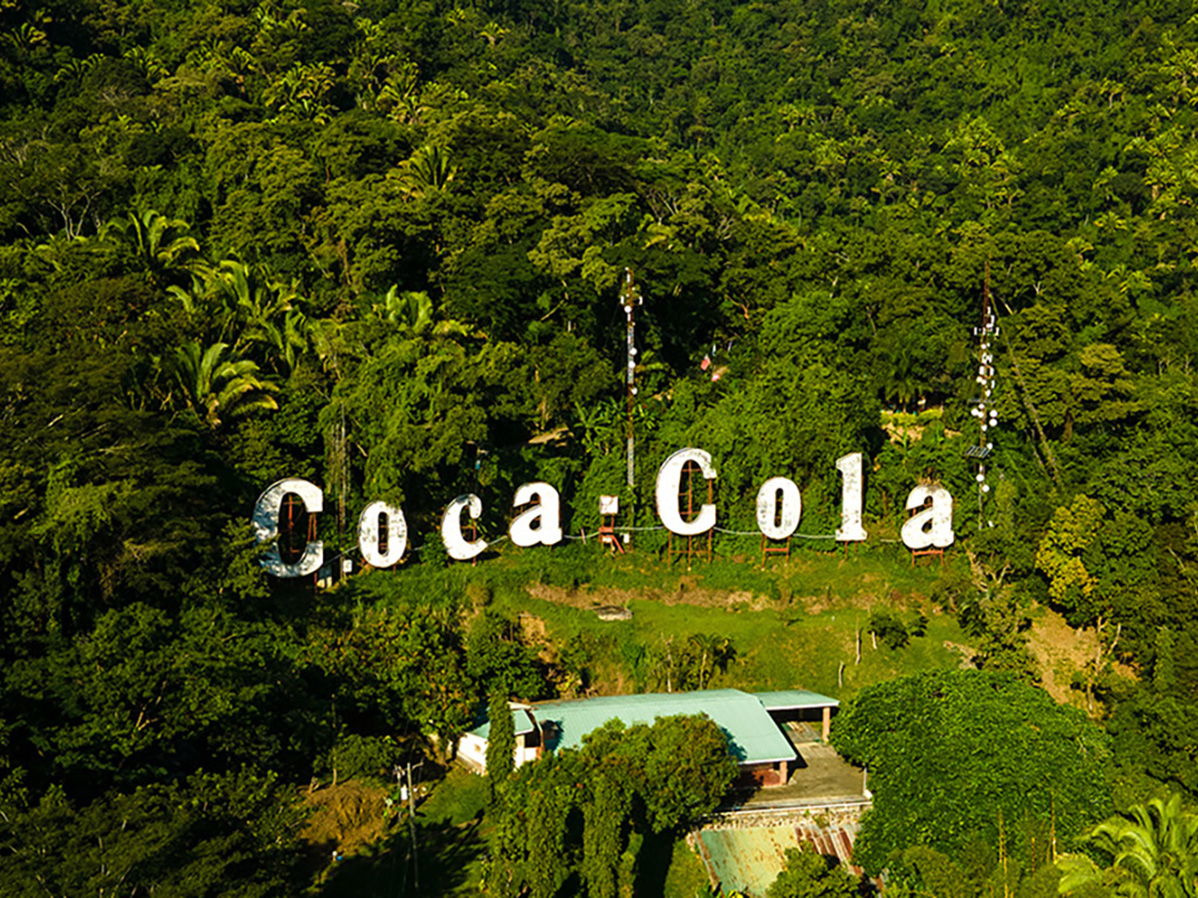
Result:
[
  {"x": 792, "y": 699},
  {"x": 520, "y": 721},
  {"x": 750, "y": 858},
  {"x": 753, "y": 736}
]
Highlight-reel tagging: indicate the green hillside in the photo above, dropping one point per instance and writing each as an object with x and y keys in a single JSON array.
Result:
[{"x": 381, "y": 246}]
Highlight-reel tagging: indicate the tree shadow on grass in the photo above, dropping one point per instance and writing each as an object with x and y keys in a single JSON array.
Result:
[
  {"x": 653, "y": 864},
  {"x": 445, "y": 859}
]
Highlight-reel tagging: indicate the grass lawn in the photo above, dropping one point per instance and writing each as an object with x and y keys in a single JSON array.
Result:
[{"x": 792, "y": 625}]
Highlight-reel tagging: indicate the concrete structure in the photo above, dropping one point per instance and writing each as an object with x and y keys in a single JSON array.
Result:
[
  {"x": 793, "y": 703},
  {"x": 752, "y": 723}
]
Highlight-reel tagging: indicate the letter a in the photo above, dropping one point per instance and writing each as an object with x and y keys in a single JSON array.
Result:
[
  {"x": 546, "y": 516},
  {"x": 932, "y": 526}
]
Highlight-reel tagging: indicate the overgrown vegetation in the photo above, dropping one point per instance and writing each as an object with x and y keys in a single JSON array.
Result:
[{"x": 378, "y": 245}]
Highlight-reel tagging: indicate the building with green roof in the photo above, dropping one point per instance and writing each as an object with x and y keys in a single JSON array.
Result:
[{"x": 755, "y": 737}]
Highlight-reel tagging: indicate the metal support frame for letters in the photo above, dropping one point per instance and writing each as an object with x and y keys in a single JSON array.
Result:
[
  {"x": 779, "y": 509},
  {"x": 692, "y": 548},
  {"x": 774, "y": 547},
  {"x": 920, "y": 553},
  {"x": 609, "y": 509}
]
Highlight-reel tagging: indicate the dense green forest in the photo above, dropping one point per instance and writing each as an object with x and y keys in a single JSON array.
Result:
[{"x": 380, "y": 244}]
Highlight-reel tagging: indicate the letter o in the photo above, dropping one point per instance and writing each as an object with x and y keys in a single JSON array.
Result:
[
  {"x": 368, "y": 534},
  {"x": 774, "y": 492}
]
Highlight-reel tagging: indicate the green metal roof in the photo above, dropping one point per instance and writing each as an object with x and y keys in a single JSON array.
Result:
[
  {"x": 792, "y": 699},
  {"x": 521, "y": 723},
  {"x": 753, "y": 736}
]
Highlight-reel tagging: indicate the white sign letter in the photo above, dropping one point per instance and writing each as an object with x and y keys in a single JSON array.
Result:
[
  {"x": 368, "y": 534},
  {"x": 451, "y": 528},
  {"x": 852, "y": 498},
  {"x": 547, "y": 516},
  {"x": 774, "y": 491},
  {"x": 932, "y": 526},
  {"x": 669, "y": 481},
  {"x": 266, "y": 527}
]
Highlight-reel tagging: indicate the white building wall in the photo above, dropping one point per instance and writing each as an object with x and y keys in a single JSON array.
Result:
[{"x": 473, "y": 750}]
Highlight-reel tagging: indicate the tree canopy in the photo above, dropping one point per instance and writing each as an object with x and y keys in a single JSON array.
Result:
[{"x": 379, "y": 246}]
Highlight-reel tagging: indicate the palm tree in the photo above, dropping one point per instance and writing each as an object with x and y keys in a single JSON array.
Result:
[
  {"x": 1153, "y": 850},
  {"x": 412, "y": 310},
  {"x": 255, "y": 298},
  {"x": 899, "y": 377},
  {"x": 427, "y": 171},
  {"x": 160, "y": 243},
  {"x": 235, "y": 301},
  {"x": 491, "y": 33},
  {"x": 284, "y": 340},
  {"x": 714, "y": 652},
  {"x": 414, "y": 315},
  {"x": 216, "y": 387}
]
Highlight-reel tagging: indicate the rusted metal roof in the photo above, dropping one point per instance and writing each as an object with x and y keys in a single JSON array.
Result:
[{"x": 750, "y": 858}]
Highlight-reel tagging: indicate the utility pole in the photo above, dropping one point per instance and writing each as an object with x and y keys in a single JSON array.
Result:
[
  {"x": 630, "y": 298},
  {"x": 411, "y": 831}
]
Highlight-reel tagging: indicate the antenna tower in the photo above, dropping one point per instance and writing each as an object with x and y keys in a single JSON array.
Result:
[
  {"x": 985, "y": 411},
  {"x": 630, "y": 298}
]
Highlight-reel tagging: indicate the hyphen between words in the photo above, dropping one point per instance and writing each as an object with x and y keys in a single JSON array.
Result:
[{"x": 779, "y": 508}]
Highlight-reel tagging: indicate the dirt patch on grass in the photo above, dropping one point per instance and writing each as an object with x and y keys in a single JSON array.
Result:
[
  {"x": 965, "y": 651},
  {"x": 533, "y": 628},
  {"x": 1061, "y": 652},
  {"x": 586, "y": 598},
  {"x": 346, "y": 817},
  {"x": 686, "y": 593}
]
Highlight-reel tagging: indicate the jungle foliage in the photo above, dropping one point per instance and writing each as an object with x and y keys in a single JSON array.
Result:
[{"x": 379, "y": 245}]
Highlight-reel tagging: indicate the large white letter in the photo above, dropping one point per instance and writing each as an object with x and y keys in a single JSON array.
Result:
[
  {"x": 932, "y": 526},
  {"x": 547, "y": 516},
  {"x": 266, "y": 527},
  {"x": 852, "y": 498},
  {"x": 451, "y": 528},
  {"x": 368, "y": 534},
  {"x": 669, "y": 480},
  {"x": 773, "y": 491}
]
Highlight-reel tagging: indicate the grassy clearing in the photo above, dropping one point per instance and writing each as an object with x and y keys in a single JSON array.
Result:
[
  {"x": 773, "y": 650},
  {"x": 457, "y": 799},
  {"x": 792, "y": 624}
]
